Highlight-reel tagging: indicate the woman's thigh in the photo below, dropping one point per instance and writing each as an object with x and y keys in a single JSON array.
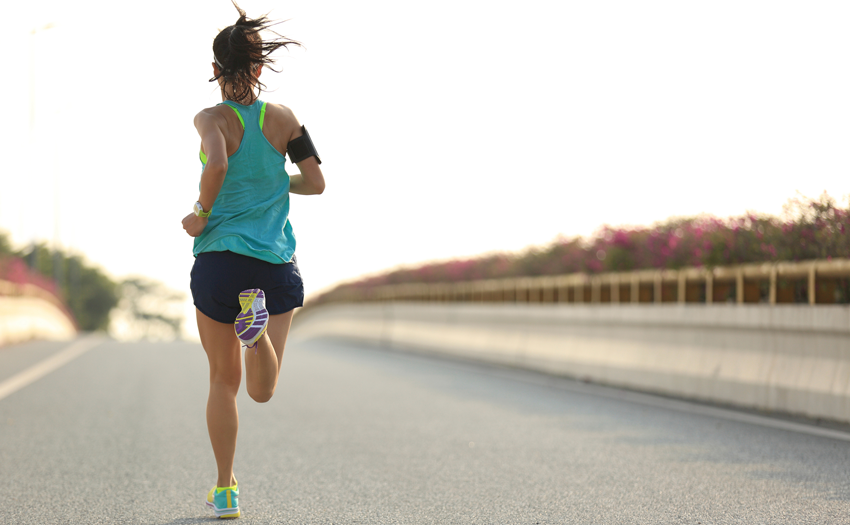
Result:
[
  {"x": 223, "y": 349},
  {"x": 278, "y": 331}
]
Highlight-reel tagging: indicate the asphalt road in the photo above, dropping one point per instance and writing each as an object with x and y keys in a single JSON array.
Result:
[{"x": 361, "y": 435}]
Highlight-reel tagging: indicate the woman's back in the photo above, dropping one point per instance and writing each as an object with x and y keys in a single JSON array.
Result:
[
  {"x": 251, "y": 212},
  {"x": 280, "y": 126}
]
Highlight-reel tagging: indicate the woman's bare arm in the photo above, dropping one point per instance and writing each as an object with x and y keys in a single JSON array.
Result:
[
  {"x": 210, "y": 126},
  {"x": 310, "y": 181}
]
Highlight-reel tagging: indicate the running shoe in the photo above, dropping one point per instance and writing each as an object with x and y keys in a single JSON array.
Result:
[
  {"x": 252, "y": 322},
  {"x": 224, "y": 501}
]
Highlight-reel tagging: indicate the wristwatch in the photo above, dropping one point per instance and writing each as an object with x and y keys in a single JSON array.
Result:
[{"x": 199, "y": 210}]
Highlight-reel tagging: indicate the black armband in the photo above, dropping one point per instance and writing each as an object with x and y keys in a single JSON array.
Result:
[{"x": 302, "y": 148}]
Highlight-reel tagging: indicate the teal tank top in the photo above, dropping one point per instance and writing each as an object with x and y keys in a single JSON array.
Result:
[{"x": 250, "y": 216}]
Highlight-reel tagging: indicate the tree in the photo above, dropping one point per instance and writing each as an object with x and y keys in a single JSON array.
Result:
[{"x": 86, "y": 290}]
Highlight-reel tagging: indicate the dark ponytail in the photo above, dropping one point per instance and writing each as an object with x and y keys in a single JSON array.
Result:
[{"x": 239, "y": 50}]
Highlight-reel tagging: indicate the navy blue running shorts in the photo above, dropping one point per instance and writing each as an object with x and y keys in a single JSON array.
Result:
[{"x": 218, "y": 277}]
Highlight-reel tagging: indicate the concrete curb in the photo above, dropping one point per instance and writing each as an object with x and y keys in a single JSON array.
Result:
[
  {"x": 24, "y": 318},
  {"x": 793, "y": 359}
]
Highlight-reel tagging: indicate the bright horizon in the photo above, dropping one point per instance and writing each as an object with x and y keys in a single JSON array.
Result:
[{"x": 452, "y": 131}]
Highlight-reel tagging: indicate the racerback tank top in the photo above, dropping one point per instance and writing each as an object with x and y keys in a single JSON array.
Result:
[{"x": 250, "y": 216}]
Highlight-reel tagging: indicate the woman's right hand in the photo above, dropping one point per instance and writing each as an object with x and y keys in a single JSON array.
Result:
[{"x": 194, "y": 225}]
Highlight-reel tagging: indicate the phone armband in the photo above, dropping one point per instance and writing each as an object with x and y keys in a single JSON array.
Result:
[{"x": 302, "y": 148}]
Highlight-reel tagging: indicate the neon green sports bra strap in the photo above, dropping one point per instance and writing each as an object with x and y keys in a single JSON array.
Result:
[
  {"x": 241, "y": 121},
  {"x": 238, "y": 114},
  {"x": 263, "y": 115}
]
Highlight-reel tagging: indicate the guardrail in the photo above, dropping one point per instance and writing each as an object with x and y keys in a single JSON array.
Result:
[{"x": 812, "y": 282}]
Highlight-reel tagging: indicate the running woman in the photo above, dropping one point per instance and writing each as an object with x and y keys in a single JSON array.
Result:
[{"x": 245, "y": 281}]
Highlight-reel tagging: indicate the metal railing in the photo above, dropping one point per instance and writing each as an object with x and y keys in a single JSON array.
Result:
[{"x": 812, "y": 282}]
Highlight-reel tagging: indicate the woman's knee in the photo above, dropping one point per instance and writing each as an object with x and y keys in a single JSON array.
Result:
[
  {"x": 260, "y": 395},
  {"x": 228, "y": 378}
]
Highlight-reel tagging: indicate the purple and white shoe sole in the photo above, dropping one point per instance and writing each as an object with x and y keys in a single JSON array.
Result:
[{"x": 252, "y": 321}]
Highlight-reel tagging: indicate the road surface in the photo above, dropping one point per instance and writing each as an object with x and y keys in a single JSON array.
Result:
[{"x": 363, "y": 435}]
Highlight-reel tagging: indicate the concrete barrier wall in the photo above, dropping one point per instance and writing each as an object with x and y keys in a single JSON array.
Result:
[
  {"x": 24, "y": 317},
  {"x": 793, "y": 359}
]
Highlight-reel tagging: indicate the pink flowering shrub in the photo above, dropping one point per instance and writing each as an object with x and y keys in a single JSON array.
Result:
[
  {"x": 15, "y": 270},
  {"x": 809, "y": 229}
]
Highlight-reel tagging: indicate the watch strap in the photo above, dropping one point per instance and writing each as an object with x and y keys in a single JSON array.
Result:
[{"x": 199, "y": 211}]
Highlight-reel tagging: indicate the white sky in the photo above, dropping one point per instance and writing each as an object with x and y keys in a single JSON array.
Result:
[{"x": 445, "y": 128}]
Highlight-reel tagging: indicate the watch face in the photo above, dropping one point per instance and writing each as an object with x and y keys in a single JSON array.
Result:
[{"x": 198, "y": 208}]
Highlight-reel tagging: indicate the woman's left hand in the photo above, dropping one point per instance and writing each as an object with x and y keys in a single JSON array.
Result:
[{"x": 194, "y": 225}]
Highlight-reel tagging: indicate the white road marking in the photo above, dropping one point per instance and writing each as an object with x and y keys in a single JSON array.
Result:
[
  {"x": 537, "y": 378},
  {"x": 734, "y": 415},
  {"x": 39, "y": 370},
  {"x": 679, "y": 405}
]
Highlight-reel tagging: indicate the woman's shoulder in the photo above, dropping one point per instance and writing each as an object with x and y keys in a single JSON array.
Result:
[
  {"x": 280, "y": 111},
  {"x": 281, "y": 119},
  {"x": 213, "y": 113}
]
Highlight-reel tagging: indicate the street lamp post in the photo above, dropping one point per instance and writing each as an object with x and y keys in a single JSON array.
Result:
[{"x": 57, "y": 263}]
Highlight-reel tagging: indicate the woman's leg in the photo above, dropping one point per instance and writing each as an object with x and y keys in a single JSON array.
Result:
[
  {"x": 222, "y": 348},
  {"x": 262, "y": 364}
]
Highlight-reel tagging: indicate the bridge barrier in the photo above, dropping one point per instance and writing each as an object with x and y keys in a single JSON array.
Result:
[
  {"x": 807, "y": 282},
  {"x": 786, "y": 358},
  {"x": 28, "y": 312}
]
